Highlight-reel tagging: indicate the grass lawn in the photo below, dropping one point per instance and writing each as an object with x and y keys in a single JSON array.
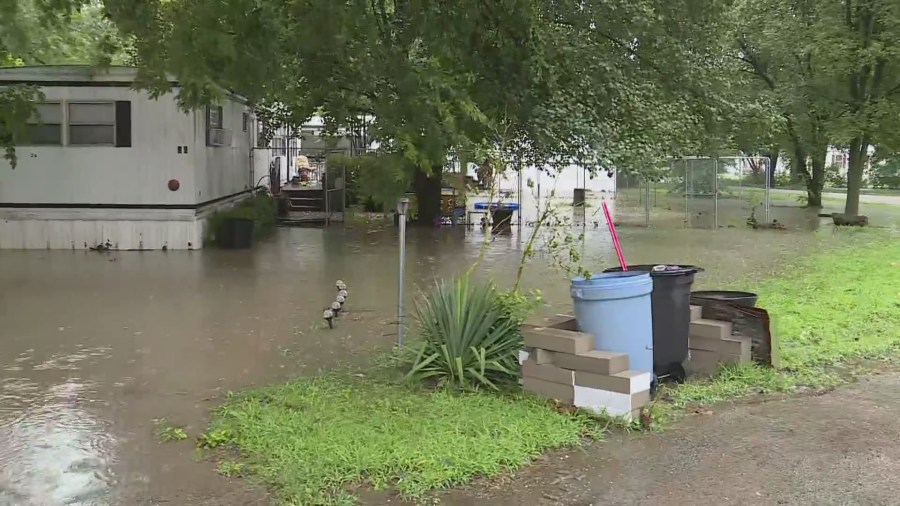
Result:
[
  {"x": 313, "y": 440},
  {"x": 831, "y": 308}
]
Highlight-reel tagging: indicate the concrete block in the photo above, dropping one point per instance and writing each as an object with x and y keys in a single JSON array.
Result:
[
  {"x": 705, "y": 343},
  {"x": 542, "y": 356},
  {"x": 696, "y": 313},
  {"x": 549, "y": 390},
  {"x": 595, "y": 361},
  {"x": 710, "y": 361},
  {"x": 710, "y": 328},
  {"x": 547, "y": 372},
  {"x": 704, "y": 357},
  {"x": 739, "y": 346},
  {"x": 626, "y": 382},
  {"x": 559, "y": 322},
  {"x": 562, "y": 341},
  {"x": 612, "y": 403},
  {"x": 523, "y": 355}
]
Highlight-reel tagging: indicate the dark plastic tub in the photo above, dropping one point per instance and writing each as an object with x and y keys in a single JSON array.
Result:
[
  {"x": 237, "y": 233},
  {"x": 744, "y": 299},
  {"x": 502, "y": 221},
  {"x": 671, "y": 309}
]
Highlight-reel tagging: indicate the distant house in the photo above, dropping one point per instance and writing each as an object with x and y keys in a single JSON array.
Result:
[
  {"x": 106, "y": 164},
  {"x": 280, "y": 150}
]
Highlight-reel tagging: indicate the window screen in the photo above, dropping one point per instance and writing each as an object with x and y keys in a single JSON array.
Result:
[
  {"x": 45, "y": 126},
  {"x": 92, "y": 124}
]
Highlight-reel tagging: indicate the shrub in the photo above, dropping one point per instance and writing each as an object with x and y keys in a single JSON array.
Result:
[
  {"x": 469, "y": 340},
  {"x": 784, "y": 179},
  {"x": 261, "y": 208},
  {"x": 346, "y": 167},
  {"x": 834, "y": 178},
  {"x": 886, "y": 173}
]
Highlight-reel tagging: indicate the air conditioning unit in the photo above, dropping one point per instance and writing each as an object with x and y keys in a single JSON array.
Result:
[{"x": 219, "y": 137}]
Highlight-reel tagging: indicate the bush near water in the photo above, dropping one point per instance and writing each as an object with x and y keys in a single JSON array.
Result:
[{"x": 262, "y": 208}]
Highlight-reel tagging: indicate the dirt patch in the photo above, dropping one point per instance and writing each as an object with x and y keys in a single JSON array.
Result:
[{"x": 842, "y": 447}]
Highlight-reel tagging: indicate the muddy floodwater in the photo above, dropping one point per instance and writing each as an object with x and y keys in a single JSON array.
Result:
[{"x": 96, "y": 346}]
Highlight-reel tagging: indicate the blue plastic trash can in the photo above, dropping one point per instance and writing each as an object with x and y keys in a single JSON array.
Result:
[{"x": 615, "y": 308}]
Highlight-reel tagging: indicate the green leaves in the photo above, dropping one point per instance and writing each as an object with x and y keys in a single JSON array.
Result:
[{"x": 470, "y": 336}]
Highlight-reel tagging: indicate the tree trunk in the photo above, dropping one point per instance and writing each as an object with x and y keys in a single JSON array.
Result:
[
  {"x": 859, "y": 154},
  {"x": 798, "y": 163},
  {"x": 773, "y": 164},
  {"x": 428, "y": 195},
  {"x": 815, "y": 183}
]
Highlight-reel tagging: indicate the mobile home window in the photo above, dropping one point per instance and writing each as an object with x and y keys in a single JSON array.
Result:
[
  {"x": 214, "y": 117},
  {"x": 92, "y": 124},
  {"x": 45, "y": 126}
]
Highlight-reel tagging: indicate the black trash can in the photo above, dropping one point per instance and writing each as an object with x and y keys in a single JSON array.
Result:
[
  {"x": 502, "y": 221},
  {"x": 671, "y": 309},
  {"x": 743, "y": 299},
  {"x": 236, "y": 233}
]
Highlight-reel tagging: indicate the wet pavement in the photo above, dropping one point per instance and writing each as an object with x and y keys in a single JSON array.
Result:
[
  {"x": 95, "y": 346},
  {"x": 842, "y": 447}
]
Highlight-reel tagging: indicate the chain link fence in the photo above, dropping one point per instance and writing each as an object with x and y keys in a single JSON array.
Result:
[{"x": 696, "y": 193}]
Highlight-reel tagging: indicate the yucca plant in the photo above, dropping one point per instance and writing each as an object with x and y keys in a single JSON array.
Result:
[{"x": 467, "y": 339}]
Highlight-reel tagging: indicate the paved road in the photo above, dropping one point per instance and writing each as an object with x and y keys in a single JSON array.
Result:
[
  {"x": 864, "y": 198},
  {"x": 841, "y": 448}
]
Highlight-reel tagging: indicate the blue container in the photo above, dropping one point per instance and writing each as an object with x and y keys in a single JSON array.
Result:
[{"x": 615, "y": 308}]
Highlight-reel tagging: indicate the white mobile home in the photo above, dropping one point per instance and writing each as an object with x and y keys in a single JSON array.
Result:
[{"x": 107, "y": 164}]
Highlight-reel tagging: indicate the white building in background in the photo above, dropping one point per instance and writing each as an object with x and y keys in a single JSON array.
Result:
[{"x": 109, "y": 165}]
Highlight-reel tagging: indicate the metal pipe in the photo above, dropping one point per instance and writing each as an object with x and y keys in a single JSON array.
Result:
[
  {"x": 767, "y": 169},
  {"x": 519, "y": 210},
  {"x": 647, "y": 204},
  {"x": 402, "y": 208},
  {"x": 716, "y": 192}
]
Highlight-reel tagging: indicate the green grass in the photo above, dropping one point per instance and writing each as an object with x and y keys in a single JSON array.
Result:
[
  {"x": 312, "y": 440},
  {"x": 166, "y": 432},
  {"x": 836, "y": 307}
]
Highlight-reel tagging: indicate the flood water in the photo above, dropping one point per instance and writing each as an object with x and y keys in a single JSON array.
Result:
[{"x": 95, "y": 346}]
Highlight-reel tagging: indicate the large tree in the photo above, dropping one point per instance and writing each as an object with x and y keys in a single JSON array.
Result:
[
  {"x": 36, "y": 32},
  {"x": 771, "y": 45},
  {"x": 833, "y": 68},
  {"x": 861, "y": 40},
  {"x": 600, "y": 83},
  {"x": 593, "y": 82}
]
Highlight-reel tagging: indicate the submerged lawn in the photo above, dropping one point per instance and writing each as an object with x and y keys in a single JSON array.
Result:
[
  {"x": 313, "y": 439},
  {"x": 838, "y": 306},
  {"x": 310, "y": 439}
]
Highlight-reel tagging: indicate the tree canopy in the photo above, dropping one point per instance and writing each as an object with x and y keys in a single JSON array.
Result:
[
  {"x": 598, "y": 83},
  {"x": 601, "y": 83},
  {"x": 832, "y": 70}
]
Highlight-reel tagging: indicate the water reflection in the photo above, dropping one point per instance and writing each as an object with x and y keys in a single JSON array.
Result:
[{"x": 52, "y": 451}]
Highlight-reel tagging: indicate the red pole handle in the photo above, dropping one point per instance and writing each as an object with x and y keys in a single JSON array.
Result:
[{"x": 615, "y": 237}]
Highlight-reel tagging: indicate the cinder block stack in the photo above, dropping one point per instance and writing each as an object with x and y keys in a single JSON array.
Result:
[
  {"x": 712, "y": 344},
  {"x": 560, "y": 363}
]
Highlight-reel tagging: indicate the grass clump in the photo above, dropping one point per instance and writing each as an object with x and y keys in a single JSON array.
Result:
[
  {"x": 312, "y": 440},
  {"x": 831, "y": 308},
  {"x": 469, "y": 335},
  {"x": 166, "y": 432}
]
